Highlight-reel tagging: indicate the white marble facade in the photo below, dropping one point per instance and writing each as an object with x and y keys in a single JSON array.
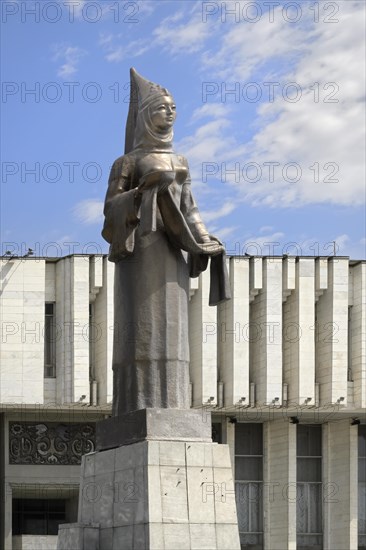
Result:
[{"x": 291, "y": 343}]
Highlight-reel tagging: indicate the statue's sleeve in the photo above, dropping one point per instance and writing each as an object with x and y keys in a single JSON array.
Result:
[
  {"x": 120, "y": 211},
  {"x": 119, "y": 182},
  {"x": 190, "y": 211}
]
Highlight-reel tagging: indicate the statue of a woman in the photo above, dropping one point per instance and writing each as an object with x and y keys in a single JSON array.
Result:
[{"x": 158, "y": 241}]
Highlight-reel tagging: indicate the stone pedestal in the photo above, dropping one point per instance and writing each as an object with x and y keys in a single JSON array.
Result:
[
  {"x": 155, "y": 495},
  {"x": 154, "y": 424}
]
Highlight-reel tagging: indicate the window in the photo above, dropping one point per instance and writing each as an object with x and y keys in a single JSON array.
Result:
[
  {"x": 362, "y": 487},
  {"x": 249, "y": 483},
  {"x": 309, "y": 513},
  {"x": 36, "y": 516},
  {"x": 217, "y": 432},
  {"x": 49, "y": 341}
]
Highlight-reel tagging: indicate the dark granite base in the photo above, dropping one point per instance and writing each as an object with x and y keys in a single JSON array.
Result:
[{"x": 159, "y": 424}]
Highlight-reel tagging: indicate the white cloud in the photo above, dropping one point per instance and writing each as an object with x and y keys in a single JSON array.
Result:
[
  {"x": 213, "y": 110},
  {"x": 224, "y": 232},
  {"x": 265, "y": 228},
  {"x": 264, "y": 244},
  {"x": 247, "y": 47},
  {"x": 341, "y": 245},
  {"x": 89, "y": 211},
  {"x": 175, "y": 34},
  {"x": 117, "y": 47},
  {"x": 324, "y": 140},
  {"x": 323, "y": 137},
  {"x": 225, "y": 210},
  {"x": 346, "y": 246},
  {"x": 105, "y": 39},
  {"x": 70, "y": 57},
  {"x": 179, "y": 34},
  {"x": 307, "y": 132},
  {"x": 207, "y": 143},
  {"x": 147, "y": 7}
]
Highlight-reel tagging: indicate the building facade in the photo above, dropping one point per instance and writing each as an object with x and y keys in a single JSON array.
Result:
[{"x": 280, "y": 367}]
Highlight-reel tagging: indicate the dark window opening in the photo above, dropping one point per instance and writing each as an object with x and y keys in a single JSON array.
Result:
[
  {"x": 49, "y": 341},
  {"x": 349, "y": 348},
  {"x": 217, "y": 432},
  {"x": 309, "y": 513},
  {"x": 249, "y": 484},
  {"x": 38, "y": 516}
]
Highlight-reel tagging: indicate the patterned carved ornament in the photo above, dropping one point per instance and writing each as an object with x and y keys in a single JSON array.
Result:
[{"x": 49, "y": 442}]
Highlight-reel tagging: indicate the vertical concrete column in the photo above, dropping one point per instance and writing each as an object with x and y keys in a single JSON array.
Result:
[
  {"x": 255, "y": 276},
  {"x": 305, "y": 298},
  {"x": 8, "y": 517},
  {"x": 203, "y": 344},
  {"x": 358, "y": 334},
  {"x": 104, "y": 319},
  {"x": 331, "y": 334},
  {"x": 33, "y": 341},
  {"x": 80, "y": 328},
  {"x": 321, "y": 276},
  {"x": 50, "y": 282},
  {"x": 290, "y": 329},
  {"x": 279, "y": 490},
  {"x": 298, "y": 335},
  {"x": 72, "y": 320},
  {"x": 22, "y": 323},
  {"x": 266, "y": 335},
  {"x": 64, "y": 335},
  {"x": 96, "y": 273},
  {"x": 288, "y": 275},
  {"x": 228, "y": 437},
  {"x": 340, "y": 485},
  {"x": 233, "y": 336}
]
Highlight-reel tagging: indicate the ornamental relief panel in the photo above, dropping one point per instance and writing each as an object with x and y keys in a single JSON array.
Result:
[{"x": 49, "y": 442}]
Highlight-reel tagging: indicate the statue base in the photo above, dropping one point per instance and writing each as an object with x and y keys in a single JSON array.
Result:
[
  {"x": 154, "y": 424},
  {"x": 155, "y": 494}
]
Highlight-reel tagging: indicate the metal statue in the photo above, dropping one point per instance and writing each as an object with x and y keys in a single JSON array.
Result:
[{"x": 157, "y": 240}]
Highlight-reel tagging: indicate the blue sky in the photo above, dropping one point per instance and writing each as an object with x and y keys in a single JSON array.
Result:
[{"x": 271, "y": 116}]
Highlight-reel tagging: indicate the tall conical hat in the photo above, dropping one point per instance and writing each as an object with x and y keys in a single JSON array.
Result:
[{"x": 142, "y": 93}]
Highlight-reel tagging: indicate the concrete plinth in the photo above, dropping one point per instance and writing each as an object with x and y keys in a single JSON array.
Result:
[
  {"x": 154, "y": 424},
  {"x": 155, "y": 495},
  {"x": 74, "y": 536}
]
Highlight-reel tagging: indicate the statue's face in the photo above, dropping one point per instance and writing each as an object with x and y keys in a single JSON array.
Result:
[{"x": 163, "y": 114}]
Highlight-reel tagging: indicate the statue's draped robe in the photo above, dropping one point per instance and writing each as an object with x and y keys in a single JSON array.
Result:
[{"x": 151, "y": 351}]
